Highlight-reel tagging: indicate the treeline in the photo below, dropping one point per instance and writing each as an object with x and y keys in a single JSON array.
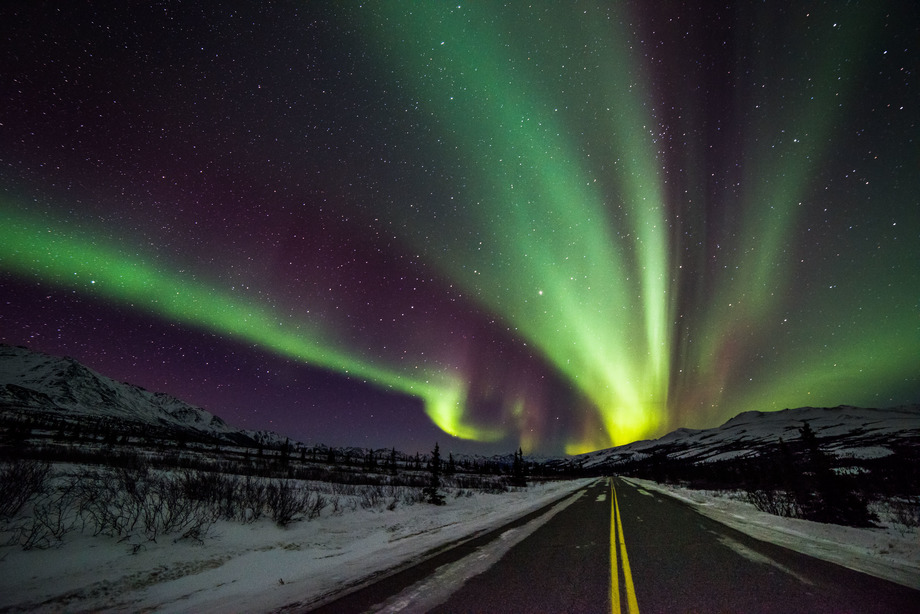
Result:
[
  {"x": 17, "y": 426},
  {"x": 117, "y": 443}
]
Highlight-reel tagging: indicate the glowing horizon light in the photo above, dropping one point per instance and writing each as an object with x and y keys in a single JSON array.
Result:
[{"x": 37, "y": 249}]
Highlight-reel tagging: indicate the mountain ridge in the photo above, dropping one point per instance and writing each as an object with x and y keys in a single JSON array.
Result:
[
  {"x": 32, "y": 381},
  {"x": 844, "y": 431}
]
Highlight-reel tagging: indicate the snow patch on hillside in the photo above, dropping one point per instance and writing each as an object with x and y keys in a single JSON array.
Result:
[
  {"x": 864, "y": 453},
  {"x": 63, "y": 385}
]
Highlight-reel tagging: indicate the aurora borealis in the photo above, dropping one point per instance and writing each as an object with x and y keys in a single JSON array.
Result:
[{"x": 560, "y": 226}]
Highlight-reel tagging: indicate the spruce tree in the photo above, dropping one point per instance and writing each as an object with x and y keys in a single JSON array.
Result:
[
  {"x": 431, "y": 491},
  {"x": 284, "y": 455},
  {"x": 517, "y": 469},
  {"x": 829, "y": 499}
]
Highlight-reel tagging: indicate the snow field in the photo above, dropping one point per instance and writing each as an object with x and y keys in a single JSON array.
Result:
[{"x": 254, "y": 567}]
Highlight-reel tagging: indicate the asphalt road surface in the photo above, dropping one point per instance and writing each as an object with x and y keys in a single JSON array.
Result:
[{"x": 616, "y": 548}]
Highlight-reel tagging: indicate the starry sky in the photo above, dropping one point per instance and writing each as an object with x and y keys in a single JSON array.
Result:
[{"x": 560, "y": 226}]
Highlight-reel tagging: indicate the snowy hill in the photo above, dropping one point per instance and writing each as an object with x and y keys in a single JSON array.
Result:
[
  {"x": 50, "y": 394},
  {"x": 844, "y": 432},
  {"x": 33, "y": 384}
]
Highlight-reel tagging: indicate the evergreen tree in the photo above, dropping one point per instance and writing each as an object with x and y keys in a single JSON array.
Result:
[
  {"x": 284, "y": 456},
  {"x": 828, "y": 499},
  {"x": 431, "y": 491},
  {"x": 393, "y": 461},
  {"x": 517, "y": 469}
]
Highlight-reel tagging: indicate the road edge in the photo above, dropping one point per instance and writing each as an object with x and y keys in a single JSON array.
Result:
[{"x": 899, "y": 574}]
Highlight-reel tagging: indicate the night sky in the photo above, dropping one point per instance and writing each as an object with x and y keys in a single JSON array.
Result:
[{"x": 563, "y": 226}]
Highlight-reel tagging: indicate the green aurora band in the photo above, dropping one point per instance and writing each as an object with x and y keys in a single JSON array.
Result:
[
  {"x": 33, "y": 248},
  {"x": 588, "y": 287}
]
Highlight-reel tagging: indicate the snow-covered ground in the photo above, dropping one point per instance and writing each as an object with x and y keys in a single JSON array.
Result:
[
  {"x": 261, "y": 567},
  {"x": 251, "y": 568},
  {"x": 891, "y": 551}
]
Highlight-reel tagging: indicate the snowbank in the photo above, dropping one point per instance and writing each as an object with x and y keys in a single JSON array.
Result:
[
  {"x": 891, "y": 552},
  {"x": 251, "y": 568}
]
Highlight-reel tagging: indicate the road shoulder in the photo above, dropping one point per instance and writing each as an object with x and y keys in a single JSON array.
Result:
[{"x": 878, "y": 552}]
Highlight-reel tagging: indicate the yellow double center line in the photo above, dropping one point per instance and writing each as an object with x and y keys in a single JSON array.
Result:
[{"x": 618, "y": 543}]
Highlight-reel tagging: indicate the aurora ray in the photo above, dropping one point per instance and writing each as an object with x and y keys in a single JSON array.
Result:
[{"x": 568, "y": 267}]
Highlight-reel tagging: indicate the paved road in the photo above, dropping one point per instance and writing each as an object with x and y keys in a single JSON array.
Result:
[{"x": 667, "y": 558}]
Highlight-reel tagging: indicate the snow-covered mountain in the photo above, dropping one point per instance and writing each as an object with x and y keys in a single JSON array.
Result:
[
  {"x": 51, "y": 390},
  {"x": 844, "y": 432},
  {"x": 35, "y": 383}
]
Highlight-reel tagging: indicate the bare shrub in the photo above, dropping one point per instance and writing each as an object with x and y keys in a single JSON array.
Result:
[
  {"x": 372, "y": 497},
  {"x": 228, "y": 500},
  {"x": 52, "y": 517},
  {"x": 109, "y": 502},
  {"x": 493, "y": 486},
  {"x": 167, "y": 509},
  {"x": 286, "y": 501},
  {"x": 776, "y": 502},
  {"x": 905, "y": 512},
  {"x": 20, "y": 481},
  {"x": 316, "y": 505},
  {"x": 253, "y": 497},
  {"x": 119, "y": 503},
  {"x": 348, "y": 490},
  {"x": 410, "y": 495}
]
